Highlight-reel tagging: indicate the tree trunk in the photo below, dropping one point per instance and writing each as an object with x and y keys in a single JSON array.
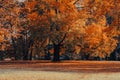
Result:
[
  {"x": 27, "y": 46},
  {"x": 25, "y": 57},
  {"x": 47, "y": 55},
  {"x": 56, "y": 56},
  {"x": 15, "y": 47},
  {"x": 30, "y": 57},
  {"x": 25, "y": 52}
]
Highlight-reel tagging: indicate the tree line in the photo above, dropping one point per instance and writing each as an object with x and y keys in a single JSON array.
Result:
[{"x": 60, "y": 29}]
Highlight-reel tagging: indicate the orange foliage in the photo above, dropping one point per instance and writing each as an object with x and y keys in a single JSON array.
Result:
[
  {"x": 33, "y": 16},
  {"x": 31, "y": 5}
]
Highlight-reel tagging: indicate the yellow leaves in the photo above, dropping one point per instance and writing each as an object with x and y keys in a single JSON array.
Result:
[
  {"x": 93, "y": 41},
  {"x": 94, "y": 30},
  {"x": 78, "y": 26},
  {"x": 101, "y": 39},
  {"x": 3, "y": 33},
  {"x": 102, "y": 21}
]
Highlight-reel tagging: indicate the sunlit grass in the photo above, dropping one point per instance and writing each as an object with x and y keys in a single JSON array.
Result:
[{"x": 17, "y": 74}]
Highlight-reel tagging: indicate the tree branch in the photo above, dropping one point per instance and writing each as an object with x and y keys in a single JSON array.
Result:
[{"x": 62, "y": 39}]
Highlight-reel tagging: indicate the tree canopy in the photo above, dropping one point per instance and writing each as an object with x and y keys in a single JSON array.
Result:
[{"x": 35, "y": 29}]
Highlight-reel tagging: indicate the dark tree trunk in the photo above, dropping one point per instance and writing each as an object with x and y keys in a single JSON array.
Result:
[
  {"x": 25, "y": 57},
  {"x": 113, "y": 55},
  {"x": 30, "y": 55},
  {"x": 47, "y": 55},
  {"x": 87, "y": 57},
  {"x": 26, "y": 48},
  {"x": 56, "y": 56},
  {"x": 15, "y": 48},
  {"x": 25, "y": 52}
]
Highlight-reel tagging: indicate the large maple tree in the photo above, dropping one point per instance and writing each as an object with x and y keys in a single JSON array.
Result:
[{"x": 52, "y": 20}]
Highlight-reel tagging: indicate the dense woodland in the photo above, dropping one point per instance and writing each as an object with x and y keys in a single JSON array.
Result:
[{"x": 60, "y": 29}]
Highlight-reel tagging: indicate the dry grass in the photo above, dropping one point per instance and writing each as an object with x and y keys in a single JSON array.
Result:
[
  {"x": 66, "y": 70},
  {"x": 16, "y": 74}
]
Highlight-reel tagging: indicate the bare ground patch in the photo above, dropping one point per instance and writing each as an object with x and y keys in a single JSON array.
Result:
[{"x": 69, "y": 66}]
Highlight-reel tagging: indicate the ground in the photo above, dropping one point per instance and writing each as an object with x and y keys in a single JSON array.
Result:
[{"x": 65, "y": 70}]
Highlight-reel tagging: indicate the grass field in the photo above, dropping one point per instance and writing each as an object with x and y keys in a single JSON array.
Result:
[{"x": 66, "y": 70}]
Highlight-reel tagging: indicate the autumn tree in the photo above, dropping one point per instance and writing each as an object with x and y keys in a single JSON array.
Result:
[
  {"x": 96, "y": 37},
  {"x": 6, "y": 18},
  {"x": 53, "y": 17},
  {"x": 13, "y": 20},
  {"x": 84, "y": 27}
]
